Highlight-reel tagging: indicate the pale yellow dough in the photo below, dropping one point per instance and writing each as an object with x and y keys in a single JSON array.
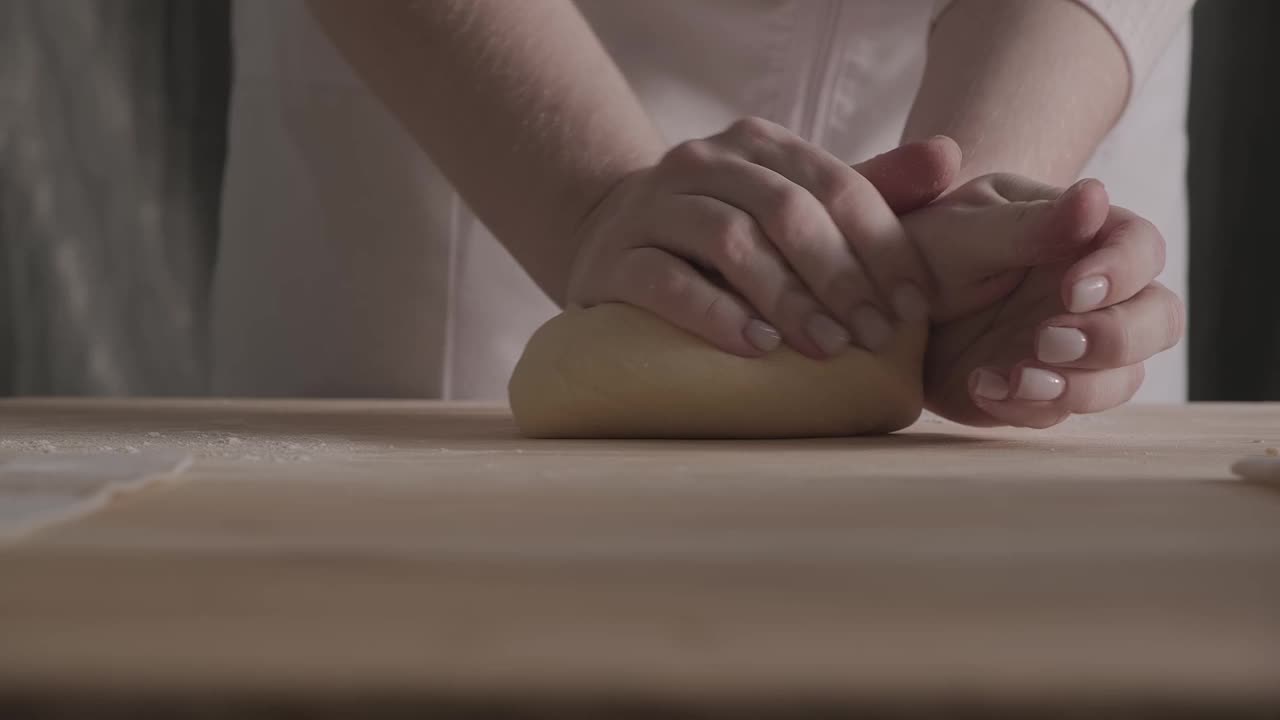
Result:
[{"x": 616, "y": 371}]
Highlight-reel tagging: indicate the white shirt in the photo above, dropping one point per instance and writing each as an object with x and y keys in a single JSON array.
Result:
[{"x": 349, "y": 266}]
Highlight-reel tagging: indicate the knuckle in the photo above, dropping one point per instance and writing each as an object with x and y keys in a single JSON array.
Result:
[
  {"x": 754, "y": 129},
  {"x": 711, "y": 309},
  {"x": 690, "y": 153},
  {"x": 1022, "y": 213},
  {"x": 835, "y": 189},
  {"x": 1116, "y": 388},
  {"x": 1174, "y": 322},
  {"x": 1138, "y": 376},
  {"x": 1123, "y": 343},
  {"x": 790, "y": 202},
  {"x": 1156, "y": 243},
  {"x": 1114, "y": 337},
  {"x": 1146, "y": 227},
  {"x": 730, "y": 245},
  {"x": 1086, "y": 396},
  {"x": 789, "y": 215},
  {"x": 668, "y": 286},
  {"x": 995, "y": 187}
]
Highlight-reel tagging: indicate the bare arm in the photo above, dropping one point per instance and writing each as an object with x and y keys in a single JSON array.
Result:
[
  {"x": 531, "y": 121},
  {"x": 518, "y": 104},
  {"x": 1028, "y": 87},
  {"x": 1031, "y": 87}
]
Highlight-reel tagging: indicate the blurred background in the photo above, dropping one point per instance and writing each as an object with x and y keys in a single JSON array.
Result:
[{"x": 112, "y": 137}]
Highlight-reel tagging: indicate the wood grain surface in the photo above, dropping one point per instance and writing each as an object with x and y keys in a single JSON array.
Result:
[{"x": 395, "y": 557}]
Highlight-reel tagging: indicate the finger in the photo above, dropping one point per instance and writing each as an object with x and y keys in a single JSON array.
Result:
[
  {"x": 1130, "y": 254},
  {"x": 792, "y": 219},
  {"x": 1124, "y": 334},
  {"x": 913, "y": 175},
  {"x": 723, "y": 239},
  {"x": 1012, "y": 227},
  {"x": 674, "y": 291},
  {"x": 1067, "y": 221},
  {"x": 908, "y": 177},
  {"x": 1020, "y": 223},
  {"x": 888, "y": 271},
  {"x": 1037, "y": 397}
]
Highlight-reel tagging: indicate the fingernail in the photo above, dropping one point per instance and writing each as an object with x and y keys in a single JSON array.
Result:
[
  {"x": 991, "y": 386},
  {"x": 1074, "y": 189},
  {"x": 1088, "y": 293},
  {"x": 909, "y": 303},
  {"x": 1040, "y": 384},
  {"x": 1060, "y": 345},
  {"x": 872, "y": 329},
  {"x": 763, "y": 335},
  {"x": 828, "y": 334}
]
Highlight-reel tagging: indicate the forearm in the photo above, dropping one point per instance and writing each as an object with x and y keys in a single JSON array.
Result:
[
  {"x": 1028, "y": 87},
  {"x": 516, "y": 102}
]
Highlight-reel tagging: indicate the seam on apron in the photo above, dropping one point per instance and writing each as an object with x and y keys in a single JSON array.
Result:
[{"x": 450, "y": 300}]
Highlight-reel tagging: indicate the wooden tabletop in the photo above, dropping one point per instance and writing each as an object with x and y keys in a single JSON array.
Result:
[{"x": 328, "y": 556}]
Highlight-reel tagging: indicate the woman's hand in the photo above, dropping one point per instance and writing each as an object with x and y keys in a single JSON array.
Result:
[
  {"x": 1047, "y": 302},
  {"x": 754, "y": 236}
]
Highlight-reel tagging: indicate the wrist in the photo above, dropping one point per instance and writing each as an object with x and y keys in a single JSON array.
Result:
[{"x": 575, "y": 243}]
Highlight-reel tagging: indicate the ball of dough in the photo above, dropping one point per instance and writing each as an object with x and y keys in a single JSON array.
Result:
[{"x": 617, "y": 371}]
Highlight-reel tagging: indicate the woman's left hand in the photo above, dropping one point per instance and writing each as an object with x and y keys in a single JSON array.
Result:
[{"x": 1046, "y": 301}]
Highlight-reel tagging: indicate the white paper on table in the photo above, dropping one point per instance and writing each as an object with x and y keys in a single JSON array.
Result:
[{"x": 39, "y": 490}]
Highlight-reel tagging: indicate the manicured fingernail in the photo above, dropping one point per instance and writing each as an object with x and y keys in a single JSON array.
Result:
[
  {"x": 990, "y": 386},
  {"x": 1088, "y": 293},
  {"x": 909, "y": 303},
  {"x": 1061, "y": 345},
  {"x": 1040, "y": 384},
  {"x": 872, "y": 329},
  {"x": 828, "y": 334},
  {"x": 762, "y": 335}
]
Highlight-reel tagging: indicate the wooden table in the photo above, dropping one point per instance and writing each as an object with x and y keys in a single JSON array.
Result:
[{"x": 394, "y": 557}]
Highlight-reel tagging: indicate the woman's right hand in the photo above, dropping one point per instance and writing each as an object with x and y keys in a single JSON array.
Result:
[{"x": 755, "y": 236}]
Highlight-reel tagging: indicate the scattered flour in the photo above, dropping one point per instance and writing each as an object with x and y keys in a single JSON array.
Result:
[
  {"x": 198, "y": 444},
  {"x": 24, "y": 445}
]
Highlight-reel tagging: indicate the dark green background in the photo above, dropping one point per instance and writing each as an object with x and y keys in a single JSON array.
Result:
[{"x": 1234, "y": 182}]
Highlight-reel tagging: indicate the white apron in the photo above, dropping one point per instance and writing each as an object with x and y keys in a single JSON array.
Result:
[{"x": 348, "y": 266}]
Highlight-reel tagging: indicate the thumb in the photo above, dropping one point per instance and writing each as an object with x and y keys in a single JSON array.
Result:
[
  {"x": 913, "y": 175},
  {"x": 1017, "y": 230},
  {"x": 981, "y": 238}
]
